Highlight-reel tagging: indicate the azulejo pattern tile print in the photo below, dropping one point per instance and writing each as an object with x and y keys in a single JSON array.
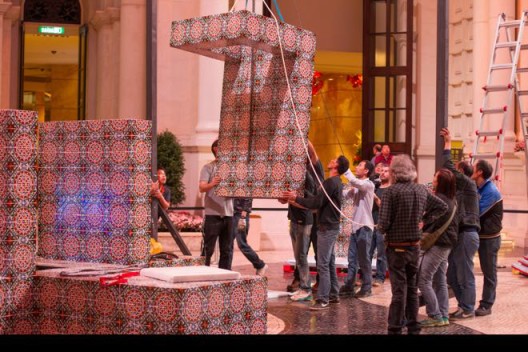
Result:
[
  {"x": 184, "y": 261},
  {"x": 18, "y": 219},
  {"x": 146, "y": 306},
  {"x": 261, "y": 151},
  {"x": 94, "y": 179},
  {"x": 345, "y": 227}
]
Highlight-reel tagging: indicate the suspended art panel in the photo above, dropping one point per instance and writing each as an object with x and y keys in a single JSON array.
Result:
[
  {"x": 94, "y": 185},
  {"x": 260, "y": 151}
]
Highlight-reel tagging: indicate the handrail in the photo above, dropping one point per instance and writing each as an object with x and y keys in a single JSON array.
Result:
[{"x": 512, "y": 211}]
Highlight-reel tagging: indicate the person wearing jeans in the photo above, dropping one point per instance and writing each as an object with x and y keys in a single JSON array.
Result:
[
  {"x": 218, "y": 216},
  {"x": 460, "y": 275},
  {"x": 403, "y": 206},
  {"x": 242, "y": 209},
  {"x": 491, "y": 212},
  {"x": 378, "y": 242},
  {"x": 362, "y": 193},
  {"x": 328, "y": 202},
  {"x": 432, "y": 276}
]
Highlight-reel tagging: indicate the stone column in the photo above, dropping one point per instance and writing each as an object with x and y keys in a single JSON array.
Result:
[
  {"x": 210, "y": 81},
  {"x": 481, "y": 56},
  {"x": 5, "y": 39},
  {"x": 523, "y": 83},
  {"x": 425, "y": 76},
  {"x": 106, "y": 72},
  {"x": 132, "y": 67}
]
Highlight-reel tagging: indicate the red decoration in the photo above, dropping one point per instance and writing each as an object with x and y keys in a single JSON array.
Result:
[
  {"x": 317, "y": 83},
  {"x": 356, "y": 80}
]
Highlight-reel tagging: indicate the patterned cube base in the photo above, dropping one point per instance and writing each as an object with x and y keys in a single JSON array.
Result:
[
  {"x": 261, "y": 151},
  {"x": 143, "y": 306}
]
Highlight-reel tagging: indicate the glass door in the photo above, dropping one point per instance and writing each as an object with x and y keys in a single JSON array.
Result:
[{"x": 387, "y": 65}]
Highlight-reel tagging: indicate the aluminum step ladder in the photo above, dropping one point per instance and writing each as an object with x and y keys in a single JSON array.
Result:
[{"x": 505, "y": 56}]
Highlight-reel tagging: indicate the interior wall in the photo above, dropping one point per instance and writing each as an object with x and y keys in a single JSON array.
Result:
[{"x": 337, "y": 24}]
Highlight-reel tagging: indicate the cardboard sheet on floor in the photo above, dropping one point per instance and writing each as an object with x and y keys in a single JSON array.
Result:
[{"x": 190, "y": 274}]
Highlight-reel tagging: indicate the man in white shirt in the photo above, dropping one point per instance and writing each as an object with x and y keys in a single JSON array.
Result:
[
  {"x": 218, "y": 216},
  {"x": 362, "y": 193}
]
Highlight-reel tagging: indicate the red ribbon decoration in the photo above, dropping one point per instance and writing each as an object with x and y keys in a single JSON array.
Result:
[
  {"x": 317, "y": 82},
  {"x": 117, "y": 279},
  {"x": 356, "y": 80}
]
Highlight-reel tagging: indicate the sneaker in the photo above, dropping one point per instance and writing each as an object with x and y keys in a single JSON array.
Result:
[
  {"x": 334, "y": 300},
  {"x": 294, "y": 286},
  {"x": 301, "y": 295},
  {"x": 262, "y": 271},
  {"x": 363, "y": 294},
  {"x": 319, "y": 305},
  {"x": 461, "y": 314},
  {"x": 432, "y": 322},
  {"x": 482, "y": 311},
  {"x": 377, "y": 282},
  {"x": 446, "y": 321},
  {"x": 346, "y": 291},
  {"x": 456, "y": 312}
]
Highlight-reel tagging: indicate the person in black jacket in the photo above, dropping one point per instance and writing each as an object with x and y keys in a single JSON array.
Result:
[
  {"x": 327, "y": 229},
  {"x": 460, "y": 275},
  {"x": 432, "y": 280},
  {"x": 491, "y": 211}
]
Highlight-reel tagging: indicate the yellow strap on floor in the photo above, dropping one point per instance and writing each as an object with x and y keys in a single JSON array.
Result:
[{"x": 155, "y": 247}]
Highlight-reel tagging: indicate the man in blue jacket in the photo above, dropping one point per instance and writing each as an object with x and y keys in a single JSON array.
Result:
[{"x": 490, "y": 211}]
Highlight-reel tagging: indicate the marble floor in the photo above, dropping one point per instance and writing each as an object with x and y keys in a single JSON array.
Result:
[{"x": 368, "y": 316}]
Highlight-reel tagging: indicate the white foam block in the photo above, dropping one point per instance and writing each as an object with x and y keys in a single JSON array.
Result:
[{"x": 190, "y": 274}]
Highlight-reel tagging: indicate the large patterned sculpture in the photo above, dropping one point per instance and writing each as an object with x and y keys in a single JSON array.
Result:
[
  {"x": 94, "y": 184},
  {"x": 261, "y": 152},
  {"x": 18, "y": 213}
]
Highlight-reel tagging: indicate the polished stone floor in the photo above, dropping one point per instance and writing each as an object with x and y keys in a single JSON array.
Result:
[{"x": 368, "y": 316}]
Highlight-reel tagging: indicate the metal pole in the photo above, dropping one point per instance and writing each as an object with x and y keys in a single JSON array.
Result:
[
  {"x": 152, "y": 81},
  {"x": 442, "y": 76}
]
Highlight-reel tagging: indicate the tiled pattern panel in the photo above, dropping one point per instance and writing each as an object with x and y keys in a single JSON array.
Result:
[
  {"x": 94, "y": 184},
  {"x": 345, "y": 228},
  {"x": 18, "y": 216},
  {"x": 185, "y": 261},
  {"x": 146, "y": 306},
  {"x": 261, "y": 152}
]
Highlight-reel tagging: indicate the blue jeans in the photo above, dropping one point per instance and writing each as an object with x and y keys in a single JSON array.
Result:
[
  {"x": 217, "y": 227},
  {"x": 358, "y": 253},
  {"x": 381, "y": 260},
  {"x": 328, "y": 286},
  {"x": 403, "y": 271},
  {"x": 241, "y": 238},
  {"x": 460, "y": 274},
  {"x": 432, "y": 281},
  {"x": 300, "y": 237},
  {"x": 488, "y": 252}
]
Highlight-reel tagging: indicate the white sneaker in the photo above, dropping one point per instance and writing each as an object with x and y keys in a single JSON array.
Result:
[
  {"x": 302, "y": 296},
  {"x": 262, "y": 271}
]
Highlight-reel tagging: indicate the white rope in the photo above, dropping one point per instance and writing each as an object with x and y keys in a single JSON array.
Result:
[
  {"x": 297, "y": 119},
  {"x": 234, "y": 5}
]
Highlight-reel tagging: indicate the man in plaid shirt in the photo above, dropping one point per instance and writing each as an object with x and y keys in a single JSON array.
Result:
[{"x": 403, "y": 207}]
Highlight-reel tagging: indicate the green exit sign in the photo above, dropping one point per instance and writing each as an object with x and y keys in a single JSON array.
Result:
[{"x": 50, "y": 30}]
